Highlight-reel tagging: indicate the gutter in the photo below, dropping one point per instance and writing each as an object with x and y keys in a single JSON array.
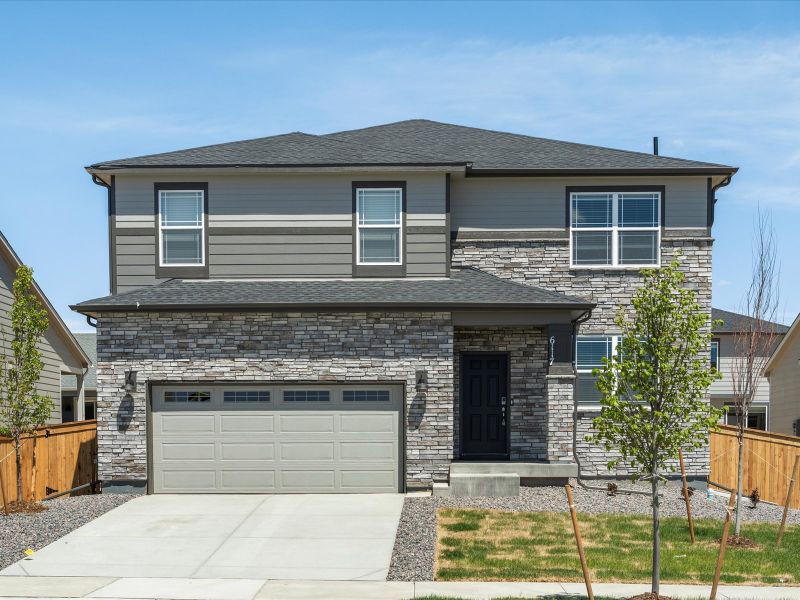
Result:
[
  {"x": 566, "y": 172},
  {"x": 89, "y": 309},
  {"x": 107, "y": 168}
]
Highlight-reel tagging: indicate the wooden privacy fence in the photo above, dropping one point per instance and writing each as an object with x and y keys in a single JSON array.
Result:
[
  {"x": 768, "y": 462},
  {"x": 65, "y": 459}
]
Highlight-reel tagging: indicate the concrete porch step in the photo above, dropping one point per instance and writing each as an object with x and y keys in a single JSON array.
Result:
[
  {"x": 525, "y": 470},
  {"x": 495, "y": 479},
  {"x": 466, "y": 485}
]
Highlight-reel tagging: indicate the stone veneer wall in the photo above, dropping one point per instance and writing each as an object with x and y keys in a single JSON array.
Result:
[
  {"x": 334, "y": 347},
  {"x": 527, "y": 355},
  {"x": 545, "y": 263}
]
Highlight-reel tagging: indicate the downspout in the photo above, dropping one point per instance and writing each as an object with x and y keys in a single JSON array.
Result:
[
  {"x": 575, "y": 324},
  {"x": 97, "y": 181},
  {"x": 89, "y": 321},
  {"x": 722, "y": 184}
]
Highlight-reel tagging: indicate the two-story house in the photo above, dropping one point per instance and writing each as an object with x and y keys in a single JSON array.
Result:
[
  {"x": 724, "y": 359},
  {"x": 61, "y": 354},
  {"x": 376, "y": 309}
]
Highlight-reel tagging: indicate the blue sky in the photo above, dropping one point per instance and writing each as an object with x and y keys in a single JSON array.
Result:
[{"x": 83, "y": 82}]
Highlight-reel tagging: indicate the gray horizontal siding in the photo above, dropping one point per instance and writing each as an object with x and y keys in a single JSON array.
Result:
[
  {"x": 284, "y": 222},
  {"x": 50, "y": 379},
  {"x": 540, "y": 204}
]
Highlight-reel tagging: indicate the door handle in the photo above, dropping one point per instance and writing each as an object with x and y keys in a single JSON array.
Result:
[{"x": 503, "y": 403}]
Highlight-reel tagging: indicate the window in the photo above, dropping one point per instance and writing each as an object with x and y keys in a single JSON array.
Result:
[
  {"x": 366, "y": 395},
  {"x": 306, "y": 396},
  {"x": 181, "y": 222},
  {"x": 379, "y": 224},
  {"x": 589, "y": 354},
  {"x": 615, "y": 229},
  {"x": 186, "y": 396},
  {"x": 245, "y": 396},
  {"x": 715, "y": 355},
  {"x": 756, "y": 417}
]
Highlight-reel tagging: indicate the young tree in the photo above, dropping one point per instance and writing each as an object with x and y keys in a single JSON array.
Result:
[
  {"x": 22, "y": 409},
  {"x": 654, "y": 388},
  {"x": 755, "y": 337}
]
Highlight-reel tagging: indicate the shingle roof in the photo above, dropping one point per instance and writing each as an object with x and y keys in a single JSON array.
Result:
[
  {"x": 416, "y": 142},
  {"x": 466, "y": 288},
  {"x": 88, "y": 342},
  {"x": 733, "y": 322}
]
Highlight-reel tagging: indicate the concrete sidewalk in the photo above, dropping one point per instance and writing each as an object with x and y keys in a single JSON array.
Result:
[{"x": 252, "y": 589}]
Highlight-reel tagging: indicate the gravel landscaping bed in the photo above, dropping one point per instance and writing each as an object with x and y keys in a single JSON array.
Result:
[
  {"x": 415, "y": 546},
  {"x": 19, "y": 532}
]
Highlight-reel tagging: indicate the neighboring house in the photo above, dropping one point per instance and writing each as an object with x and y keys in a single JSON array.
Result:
[
  {"x": 723, "y": 353},
  {"x": 783, "y": 371},
  {"x": 69, "y": 383},
  {"x": 61, "y": 352},
  {"x": 357, "y": 311}
]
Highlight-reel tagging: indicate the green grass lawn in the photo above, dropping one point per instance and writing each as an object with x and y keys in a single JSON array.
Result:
[{"x": 482, "y": 545}]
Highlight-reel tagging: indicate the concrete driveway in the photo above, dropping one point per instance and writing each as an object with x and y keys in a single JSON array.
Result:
[{"x": 332, "y": 537}]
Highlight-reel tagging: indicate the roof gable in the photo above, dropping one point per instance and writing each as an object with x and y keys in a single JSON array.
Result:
[
  {"x": 8, "y": 255},
  {"x": 733, "y": 322}
]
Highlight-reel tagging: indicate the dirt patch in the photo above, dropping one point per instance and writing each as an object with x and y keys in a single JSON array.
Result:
[
  {"x": 25, "y": 506},
  {"x": 739, "y": 541},
  {"x": 650, "y": 596}
]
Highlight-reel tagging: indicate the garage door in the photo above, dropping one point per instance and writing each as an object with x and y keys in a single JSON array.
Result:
[{"x": 276, "y": 439}]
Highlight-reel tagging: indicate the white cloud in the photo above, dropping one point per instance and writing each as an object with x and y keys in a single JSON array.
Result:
[{"x": 739, "y": 97}]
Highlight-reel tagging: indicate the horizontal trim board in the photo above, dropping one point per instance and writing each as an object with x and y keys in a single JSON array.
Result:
[
  {"x": 282, "y": 239},
  {"x": 216, "y": 230},
  {"x": 542, "y": 234},
  {"x": 309, "y": 247},
  {"x": 605, "y": 171},
  {"x": 428, "y": 229},
  {"x": 123, "y": 231}
]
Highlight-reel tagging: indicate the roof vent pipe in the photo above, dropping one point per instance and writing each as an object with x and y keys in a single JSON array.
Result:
[{"x": 655, "y": 145}]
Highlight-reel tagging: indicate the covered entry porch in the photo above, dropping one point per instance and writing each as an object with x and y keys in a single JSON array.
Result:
[{"x": 513, "y": 401}]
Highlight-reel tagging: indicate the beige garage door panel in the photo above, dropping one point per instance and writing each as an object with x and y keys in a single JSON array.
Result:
[{"x": 261, "y": 439}]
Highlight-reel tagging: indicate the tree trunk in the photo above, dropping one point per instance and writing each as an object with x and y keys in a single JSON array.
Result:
[
  {"x": 739, "y": 483},
  {"x": 656, "y": 536},
  {"x": 18, "y": 453}
]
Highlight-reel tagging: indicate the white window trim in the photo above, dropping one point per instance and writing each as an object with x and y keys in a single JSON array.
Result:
[
  {"x": 615, "y": 230},
  {"x": 359, "y": 227},
  {"x": 615, "y": 341},
  {"x": 201, "y": 228}
]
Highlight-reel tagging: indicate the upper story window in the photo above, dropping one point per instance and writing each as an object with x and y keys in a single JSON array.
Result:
[
  {"x": 379, "y": 223},
  {"x": 715, "y": 355},
  {"x": 615, "y": 229},
  {"x": 181, "y": 222}
]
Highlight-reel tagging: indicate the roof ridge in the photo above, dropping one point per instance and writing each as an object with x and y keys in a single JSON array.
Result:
[
  {"x": 530, "y": 137},
  {"x": 327, "y": 137}
]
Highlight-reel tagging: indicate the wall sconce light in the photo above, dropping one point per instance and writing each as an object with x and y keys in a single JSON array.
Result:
[
  {"x": 422, "y": 381},
  {"x": 130, "y": 381}
]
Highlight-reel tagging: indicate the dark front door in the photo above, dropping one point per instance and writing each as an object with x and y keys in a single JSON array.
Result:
[{"x": 484, "y": 406}]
